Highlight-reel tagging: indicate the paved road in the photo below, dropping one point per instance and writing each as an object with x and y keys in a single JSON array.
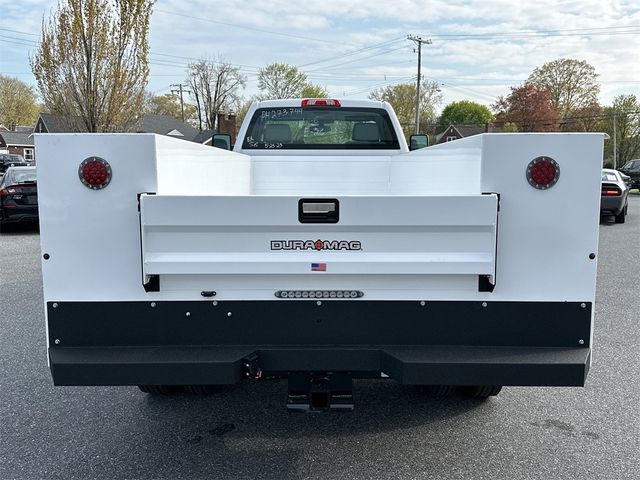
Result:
[{"x": 245, "y": 432}]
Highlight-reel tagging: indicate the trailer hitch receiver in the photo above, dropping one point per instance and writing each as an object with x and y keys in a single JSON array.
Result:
[{"x": 320, "y": 392}]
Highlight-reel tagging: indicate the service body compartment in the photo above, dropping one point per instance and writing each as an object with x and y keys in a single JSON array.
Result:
[{"x": 385, "y": 238}]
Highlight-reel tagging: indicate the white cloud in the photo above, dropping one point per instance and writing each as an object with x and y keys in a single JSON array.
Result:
[{"x": 313, "y": 30}]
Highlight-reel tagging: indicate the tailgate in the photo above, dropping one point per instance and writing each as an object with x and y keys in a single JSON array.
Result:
[{"x": 374, "y": 235}]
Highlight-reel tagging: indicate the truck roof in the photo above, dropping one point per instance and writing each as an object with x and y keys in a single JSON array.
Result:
[{"x": 297, "y": 102}]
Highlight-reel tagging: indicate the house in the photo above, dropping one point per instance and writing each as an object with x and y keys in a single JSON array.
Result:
[
  {"x": 455, "y": 132},
  {"x": 18, "y": 143},
  {"x": 160, "y": 124}
]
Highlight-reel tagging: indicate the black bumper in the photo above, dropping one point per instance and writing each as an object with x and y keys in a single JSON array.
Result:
[{"x": 204, "y": 342}]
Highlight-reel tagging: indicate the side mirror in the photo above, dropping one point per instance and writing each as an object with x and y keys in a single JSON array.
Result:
[
  {"x": 417, "y": 142},
  {"x": 222, "y": 140}
]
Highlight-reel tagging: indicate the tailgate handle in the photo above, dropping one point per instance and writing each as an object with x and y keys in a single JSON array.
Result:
[{"x": 318, "y": 210}]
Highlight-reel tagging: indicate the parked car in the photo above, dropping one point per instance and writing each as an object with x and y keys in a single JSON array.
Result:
[
  {"x": 632, "y": 168},
  {"x": 18, "y": 196},
  {"x": 615, "y": 195},
  {"x": 10, "y": 160},
  {"x": 626, "y": 179}
]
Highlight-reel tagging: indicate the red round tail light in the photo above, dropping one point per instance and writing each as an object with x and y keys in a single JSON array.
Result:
[
  {"x": 95, "y": 173},
  {"x": 543, "y": 172}
]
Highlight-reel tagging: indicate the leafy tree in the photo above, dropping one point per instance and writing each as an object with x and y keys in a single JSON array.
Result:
[
  {"x": 402, "y": 98},
  {"x": 509, "y": 127},
  {"x": 624, "y": 112},
  {"x": 215, "y": 86},
  {"x": 314, "y": 91},
  {"x": 17, "y": 103},
  {"x": 169, "y": 104},
  {"x": 585, "y": 119},
  {"x": 464, "y": 112},
  {"x": 572, "y": 84},
  {"x": 91, "y": 64},
  {"x": 529, "y": 107},
  {"x": 280, "y": 80}
]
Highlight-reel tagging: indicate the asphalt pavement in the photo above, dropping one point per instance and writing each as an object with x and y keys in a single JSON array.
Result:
[{"x": 49, "y": 432}]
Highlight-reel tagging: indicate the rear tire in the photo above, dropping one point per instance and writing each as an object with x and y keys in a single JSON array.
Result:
[
  {"x": 438, "y": 391},
  {"x": 200, "y": 389},
  {"x": 480, "y": 391},
  {"x": 621, "y": 217},
  {"x": 160, "y": 389}
]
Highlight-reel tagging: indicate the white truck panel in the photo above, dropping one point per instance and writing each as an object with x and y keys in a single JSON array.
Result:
[
  {"x": 399, "y": 235},
  {"x": 187, "y": 166},
  {"x": 102, "y": 229}
]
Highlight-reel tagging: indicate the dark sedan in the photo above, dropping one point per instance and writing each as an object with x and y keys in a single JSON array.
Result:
[
  {"x": 632, "y": 168},
  {"x": 18, "y": 197},
  {"x": 615, "y": 195}
]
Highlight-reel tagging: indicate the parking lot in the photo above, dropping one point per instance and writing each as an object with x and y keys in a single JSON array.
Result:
[{"x": 245, "y": 432}]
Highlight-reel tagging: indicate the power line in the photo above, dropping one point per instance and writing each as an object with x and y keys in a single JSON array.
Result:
[
  {"x": 330, "y": 67},
  {"x": 355, "y": 52},
  {"x": 369, "y": 87}
]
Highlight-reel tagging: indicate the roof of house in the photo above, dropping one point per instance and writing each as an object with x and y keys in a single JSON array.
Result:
[
  {"x": 204, "y": 135},
  {"x": 17, "y": 138},
  {"x": 463, "y": 130},
  {"x": 160, "y": 124},
  {"x": 56, "y": 123},
  {"x": 165, "y": 125}
]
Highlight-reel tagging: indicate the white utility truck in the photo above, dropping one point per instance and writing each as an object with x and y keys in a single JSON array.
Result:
[{"x": 319, "y": 250}]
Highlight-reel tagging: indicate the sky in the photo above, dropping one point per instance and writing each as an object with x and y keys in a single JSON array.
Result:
[{"x": 479, "y": 48}]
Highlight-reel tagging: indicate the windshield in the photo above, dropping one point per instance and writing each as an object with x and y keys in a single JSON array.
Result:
[
  {"x": 320, "y": 128},
  {"x": 20, "y": 175},
  {"x": 609, "y": 177},
  {"x": 631, "y": 165}
]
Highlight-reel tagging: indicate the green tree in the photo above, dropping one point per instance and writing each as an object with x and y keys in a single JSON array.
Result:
[
  {"x": 91, "y": 64},
  {"x": 624, "y": 111},
  {"x": 585, "y": 119},
  {"x": 509, "y": 127},
  {"x": 169, "y": 104},
  {"x": 17, "y": 103},
  {"x": 280, "y": 80},
  {"x": 314, "y": 91},
  {"x": 572, "y": 84},
  {"x": 464, "y": 112},
  {"x": 402, "y": 98}
]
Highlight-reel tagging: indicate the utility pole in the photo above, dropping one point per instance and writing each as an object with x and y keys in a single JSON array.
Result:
[
  {"x": 419, "y": 41},
  {"x": 180, "y": 90},
  {"x": 615, "y": 143}
]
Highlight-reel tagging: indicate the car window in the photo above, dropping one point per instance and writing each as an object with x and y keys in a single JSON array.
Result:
[
  {"x": 22, "y": 175},
  {"x": 632, "y": 165},
  {"x": 609, "y": 177},
  {"x": 312, "y": 128}
]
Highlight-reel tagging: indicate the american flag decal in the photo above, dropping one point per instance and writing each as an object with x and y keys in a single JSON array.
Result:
[{"x": 318, "y": 267}]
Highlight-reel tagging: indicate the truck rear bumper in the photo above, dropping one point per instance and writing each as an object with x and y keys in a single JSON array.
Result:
[
  {"x": 442, "y": 365},
  {"x": 422, "y": 343}
]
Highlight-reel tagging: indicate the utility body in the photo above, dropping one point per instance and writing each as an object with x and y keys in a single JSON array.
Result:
[{"x": 320, "y": 249}]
